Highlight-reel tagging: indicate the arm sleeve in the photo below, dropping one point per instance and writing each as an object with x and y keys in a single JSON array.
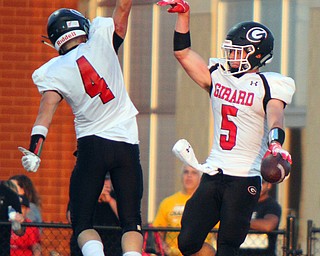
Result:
[
  {"x": 117, "y": 42},
  {"x": 274, "y": 209}
]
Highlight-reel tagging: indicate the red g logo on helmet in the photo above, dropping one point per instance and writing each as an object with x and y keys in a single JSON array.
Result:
[{"x": 256, "y": 34}]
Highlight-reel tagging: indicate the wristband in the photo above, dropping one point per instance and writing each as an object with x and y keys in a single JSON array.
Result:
[
  {"x": 276, "y": 134},
  {"x": 181, "y": 41},
  {"x": 39, "y": 129},
  {"x": 36, "y": 143},
  {"x": 38, "y": 136}
]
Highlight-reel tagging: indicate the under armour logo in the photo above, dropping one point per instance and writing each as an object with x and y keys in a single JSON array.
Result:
[{"x": 255, "y": 83}]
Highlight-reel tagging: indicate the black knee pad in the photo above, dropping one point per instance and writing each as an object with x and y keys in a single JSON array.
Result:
[{"x": 131, "y": 227}]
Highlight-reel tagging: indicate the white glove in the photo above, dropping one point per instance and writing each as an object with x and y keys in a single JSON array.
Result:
[
  {"x": 184, "y": 151},
  {"x": 30, "y": 161}
]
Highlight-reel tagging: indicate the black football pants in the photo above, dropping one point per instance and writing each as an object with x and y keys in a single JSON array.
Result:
[
  {"x": 228, "y": 199},
  {"x": 96, "y": 157}
]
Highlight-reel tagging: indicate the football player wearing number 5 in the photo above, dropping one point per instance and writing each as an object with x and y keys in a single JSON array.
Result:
[
  {"x": 87, "y": 74},
  {"x": 248, "y": 110}
]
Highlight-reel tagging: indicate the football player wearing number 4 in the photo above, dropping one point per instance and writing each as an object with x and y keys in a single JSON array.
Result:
[
  {"x": 87, "y": 74},
  {"x": 248, "y": 110}
]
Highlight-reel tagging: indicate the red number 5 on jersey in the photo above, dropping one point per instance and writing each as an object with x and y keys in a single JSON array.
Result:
[
  {"x": 227, "y": 142},
  {"x": 92, "y": 82}
]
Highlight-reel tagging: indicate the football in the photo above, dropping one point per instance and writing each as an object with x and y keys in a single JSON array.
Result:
[{"x": 274, "y": 169}]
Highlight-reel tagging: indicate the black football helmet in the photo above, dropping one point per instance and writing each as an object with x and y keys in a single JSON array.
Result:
[
  {"x": 253, "y": 38},
  {"x": 65, "y": 24}
]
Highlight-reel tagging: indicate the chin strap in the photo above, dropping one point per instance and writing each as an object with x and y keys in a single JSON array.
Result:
[{"x": 46, "y": 43}]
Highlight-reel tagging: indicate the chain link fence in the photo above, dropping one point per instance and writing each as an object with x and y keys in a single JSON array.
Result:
[
  {"x": 255, "y": 243},
  {"x": 57, "y": 240}
]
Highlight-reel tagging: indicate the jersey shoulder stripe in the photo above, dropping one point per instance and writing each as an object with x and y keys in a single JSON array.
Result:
[{"x": 267, "y": 95}]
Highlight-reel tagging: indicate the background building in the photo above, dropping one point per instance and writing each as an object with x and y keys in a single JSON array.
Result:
[{"x": 171, "y": 106}]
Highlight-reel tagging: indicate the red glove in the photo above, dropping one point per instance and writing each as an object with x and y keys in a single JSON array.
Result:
[
  {"x": 275, "y": 148},
  {"x": 179, "y": 6}
]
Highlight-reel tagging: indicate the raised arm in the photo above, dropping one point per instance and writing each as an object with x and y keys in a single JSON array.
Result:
[
  {"x": 121, "y": 16},
  {"x": 192, "y": 62}
]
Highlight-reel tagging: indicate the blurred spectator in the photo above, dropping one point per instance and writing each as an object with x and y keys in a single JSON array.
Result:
[
  {"x": 171, "y": 208},
  {"x": 10, "y": 184},
  {"x": 106, "y": 214},
  {"x": 266, "y": 218},
  {"x": 26, "y": 187},
  {"x": 8, "y": 198},
  {"x": 29, "y": 243}
]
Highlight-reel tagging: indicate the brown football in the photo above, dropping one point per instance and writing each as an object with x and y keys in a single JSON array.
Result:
[{"x": 274, "y": 169}]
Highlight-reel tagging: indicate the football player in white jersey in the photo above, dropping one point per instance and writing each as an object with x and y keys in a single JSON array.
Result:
[
  {"x": 248, "y": 110},
  {"x": 87, "y": 74}
]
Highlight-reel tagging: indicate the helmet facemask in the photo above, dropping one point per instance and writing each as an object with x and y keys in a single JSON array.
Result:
[{"x": 235, "y": 58}]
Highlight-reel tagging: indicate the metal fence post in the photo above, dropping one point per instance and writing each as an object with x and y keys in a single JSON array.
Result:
[
  {"x": 291, "y": 249},
  {"x": 290, "y": 234},
  {"x": 309, "y": 238}
]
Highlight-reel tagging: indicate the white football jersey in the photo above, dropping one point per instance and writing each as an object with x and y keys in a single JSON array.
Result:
[
  {"x": 240, "y": 125},
  {"x": 90, "y": 79}
]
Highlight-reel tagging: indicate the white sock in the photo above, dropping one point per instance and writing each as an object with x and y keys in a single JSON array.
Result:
[
  {"x": 92, "y": 247},
  {"x": 132, "y": 254}
]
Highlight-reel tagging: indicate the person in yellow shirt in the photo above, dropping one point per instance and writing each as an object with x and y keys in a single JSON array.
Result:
[{"x": 171, "y": 208}]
